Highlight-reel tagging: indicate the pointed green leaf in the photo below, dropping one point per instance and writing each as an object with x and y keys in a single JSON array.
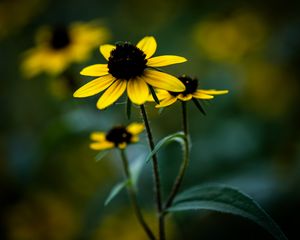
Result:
[
  {"x": 175, "y": 137},
  {"x": 128, "y": 108},
  {"x": 153, "y": 94},
  {"x": 114, "y": 191},
  {"x": 227, "y": 200}
]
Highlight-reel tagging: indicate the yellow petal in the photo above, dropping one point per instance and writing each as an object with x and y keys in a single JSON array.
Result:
[
  {"x": 166, "y": 102},
  {"x": 106, "y": 50},
  {"x": 213, "y": 91},
  {"x": 165, "y": 60},
  {"x": 112, "y": 94},
  {"x": 98, "y": 136},
  {"x": 163, "y": 80},
  {"x": 137, "y": 90},
  {"x": 200, "y": 95},
  {"x": 135, "y": 128},
  {"x": 183, "y": 97},
  {"x": 94, "y": 86},
  {"x": 148, "y": 46},
  {"x": 95, "y": 70},
  {"x": 101, "y": 145}
]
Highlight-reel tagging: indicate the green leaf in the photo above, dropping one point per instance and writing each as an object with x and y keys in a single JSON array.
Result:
[
  {"x": 136, "y": 169},
  {"x": 153, "y": 94},
  {"x": 114, "y": 191},
  {"x": 175, "y": 137},
  {"x": 128, "y": 108},
  {"x": 227, "y": 200},
  {"x": 101, "y": 155}
]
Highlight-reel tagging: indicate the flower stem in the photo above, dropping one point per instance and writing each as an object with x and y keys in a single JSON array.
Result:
[
  {"x": 161, "y": 227},
  {"x": 132, "y": 195},
  {"x": 185, "y": 161}
]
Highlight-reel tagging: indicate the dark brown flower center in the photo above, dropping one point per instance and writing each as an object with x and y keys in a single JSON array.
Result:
[
  {"x": 191, "y": 85},
  {"x": 118, "y": 135},
  {"x": 60, "y": 38},
  {"x": 126, "y": 61}
]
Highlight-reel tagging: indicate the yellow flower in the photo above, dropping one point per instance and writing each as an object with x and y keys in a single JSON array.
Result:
[
  {"x": 57, "y": 47},
  {"x": 129, "y": 67},
  {"x": 191, "y": 84},
  {"x": 118, "y": 137}
]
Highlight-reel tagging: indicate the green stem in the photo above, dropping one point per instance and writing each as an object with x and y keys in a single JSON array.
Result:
[
  {"x": 185, "y": 161},
  {"x": 161, "y": 227},
  {"x": 133, "y": 197}
]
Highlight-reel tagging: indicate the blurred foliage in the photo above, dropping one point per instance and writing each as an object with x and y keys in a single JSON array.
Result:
[{"x": 51, "y": 186}]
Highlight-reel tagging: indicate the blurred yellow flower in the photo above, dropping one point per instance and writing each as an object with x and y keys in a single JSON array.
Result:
[
  {"x": 229, "y": 39},
  {"x": 129, "y": 67},
  {"x": 118, "y": 136},
  {"x": 191, "y": 84},
  {"x": 57, "y": 47}
]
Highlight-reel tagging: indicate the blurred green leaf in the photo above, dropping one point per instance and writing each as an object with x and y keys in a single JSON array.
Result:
[
  {"x": 115, "y": 190},
  {"x": 128, "y": 108},
  {"x": 228, "y": 200},
  {"x": 101, "y": 155},
  {"x": 136, "y": 169},
  {"x": 175, "y": 137}
]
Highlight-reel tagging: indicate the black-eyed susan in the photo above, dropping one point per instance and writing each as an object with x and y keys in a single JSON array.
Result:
[
  {"x": 59, "y": 46},
  {"x": 191, "y": 92},
  {"x": 119, "y": 136},
  {"x": 129, "y": 67}
]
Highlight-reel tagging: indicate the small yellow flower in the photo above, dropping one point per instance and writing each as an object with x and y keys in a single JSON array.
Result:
[
  {"x": 119, "y": 137},
  {"x": 191, "y": 84},
  {"x": 129, "y": 67},
  {"x": 57, "y": 47}
]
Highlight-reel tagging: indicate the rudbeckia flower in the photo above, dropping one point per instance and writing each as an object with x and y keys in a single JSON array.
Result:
[
  {"x": 129, "y": 67},
  {"x": 59, "y": 46},
  {"x": 118, "y": 137},
  {"x": 191, "y": 92}
]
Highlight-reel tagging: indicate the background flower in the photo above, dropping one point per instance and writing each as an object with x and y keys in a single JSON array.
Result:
[{"x": 59, "y": 46}]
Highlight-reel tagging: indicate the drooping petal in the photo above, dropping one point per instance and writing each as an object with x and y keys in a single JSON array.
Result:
[
  {"x": 185, "y": 97},
  {"x": 98, "y": 136},
  {"x": 137, "y": 90},
  {"x": 95, "y": 70},
  {"x": 101, "y": 145},
  {"x": 165, "y": 60},
  {"x": 200, "y": 95},
  {"x": 106, "y": 50},
  {"x": 213, "y": 91},
  {"x": 148, "y": 46},
  {"x": 135, "y": 128},
  {"x": 112, "y": 94},
  {"x": 163, "y": 80},
  {"x": 95, "y": 86},
  {"x": 166, "y": 102}
]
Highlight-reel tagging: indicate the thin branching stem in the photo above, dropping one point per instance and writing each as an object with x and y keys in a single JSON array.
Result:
[
  {"x": 133, "y": 197},
  {"x": 161, "y": 227},
  {"x": 185, "y": 161}
]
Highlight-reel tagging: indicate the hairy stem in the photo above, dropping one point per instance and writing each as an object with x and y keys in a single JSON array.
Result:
[
  {"x": 157, "y": 188},
  {"x": 132, "y": 195}
]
